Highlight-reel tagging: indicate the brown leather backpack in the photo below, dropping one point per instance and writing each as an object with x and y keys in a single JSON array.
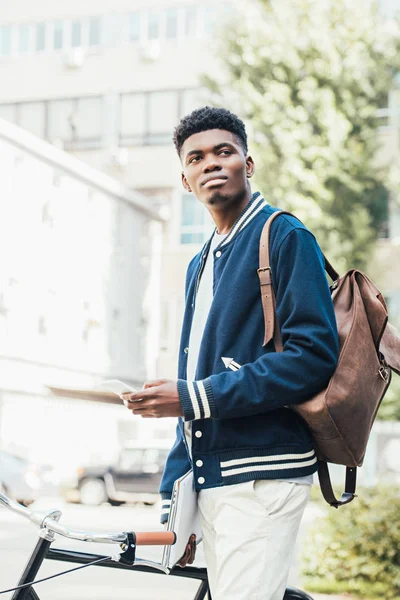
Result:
[{"x": 340, "y": 417}]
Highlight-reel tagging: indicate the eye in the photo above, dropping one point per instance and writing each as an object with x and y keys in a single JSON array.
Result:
[
  {"x": 227, "y": 152},
  {"x": 193, "y": 159}
]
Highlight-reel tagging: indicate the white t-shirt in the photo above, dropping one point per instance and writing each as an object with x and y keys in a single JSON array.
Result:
[{"x": 204, "y": 298}]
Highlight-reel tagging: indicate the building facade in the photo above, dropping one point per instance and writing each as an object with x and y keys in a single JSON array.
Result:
[
  {"x": 107, "y": 82},
  {"x": 80, "y": 263}
]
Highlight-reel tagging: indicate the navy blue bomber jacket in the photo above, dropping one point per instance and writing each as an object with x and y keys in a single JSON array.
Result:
[{"x": 241, "y": 427}]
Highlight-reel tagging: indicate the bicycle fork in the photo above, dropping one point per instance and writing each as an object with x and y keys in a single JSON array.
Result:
[
  {"x": 35, "y": 560},
  {"x": 31, "y": 570}
]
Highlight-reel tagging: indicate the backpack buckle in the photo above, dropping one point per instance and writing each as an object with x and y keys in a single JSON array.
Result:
[{"x": 384, "y": 373}]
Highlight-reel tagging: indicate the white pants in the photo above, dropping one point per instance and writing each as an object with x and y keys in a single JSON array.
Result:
[{"x": 249, "y": 532}]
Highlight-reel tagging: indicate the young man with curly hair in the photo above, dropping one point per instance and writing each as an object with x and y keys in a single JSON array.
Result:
[{"x": 252, "y": 457}]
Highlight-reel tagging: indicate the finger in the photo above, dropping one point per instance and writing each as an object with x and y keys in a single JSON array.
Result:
[
  {"x": 183, "y": 561},
  {"x": 155, "y": 383},
  {"x": 140, "y": 411},
  {"x": 140, "y": 405},
  {"x": 139, "y": 395}
]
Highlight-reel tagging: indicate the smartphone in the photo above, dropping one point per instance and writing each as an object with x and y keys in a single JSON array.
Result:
[{"x": 117, "y": 387}]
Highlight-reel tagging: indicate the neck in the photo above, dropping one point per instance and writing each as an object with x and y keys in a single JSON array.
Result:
[{"x": 225, "y": 214}]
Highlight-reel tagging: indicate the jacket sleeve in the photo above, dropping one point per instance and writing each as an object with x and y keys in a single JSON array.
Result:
[
  {"x": 178, "y": 463},
  {"x": 309, "y": 337}
]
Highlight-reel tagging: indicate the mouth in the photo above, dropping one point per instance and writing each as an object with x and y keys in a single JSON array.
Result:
[{"x": 216, "y": 181}]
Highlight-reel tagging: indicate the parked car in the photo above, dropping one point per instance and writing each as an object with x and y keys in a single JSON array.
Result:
[
  {"x": 23, "y": 480},
  {"x": 135, "y": 477}
]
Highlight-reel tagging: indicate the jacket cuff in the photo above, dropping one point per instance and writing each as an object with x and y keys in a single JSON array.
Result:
[
  {"x": 165, "y": 507},
  {"x": 197, "y": 399}
]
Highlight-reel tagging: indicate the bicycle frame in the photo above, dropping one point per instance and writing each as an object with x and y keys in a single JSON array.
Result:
[
  {"x": 43, "y": 551},
  {"x": 48, "y": 525}
]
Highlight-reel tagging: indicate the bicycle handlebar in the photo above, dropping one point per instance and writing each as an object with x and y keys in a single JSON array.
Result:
[{"x": 49, "y": 521}]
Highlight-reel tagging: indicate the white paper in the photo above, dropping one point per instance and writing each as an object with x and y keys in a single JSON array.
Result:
[
  {"x": 183, "y": 519},
  {"x": 117, "y": 387}
]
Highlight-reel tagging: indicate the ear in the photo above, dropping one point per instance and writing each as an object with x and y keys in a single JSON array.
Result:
[
  {"x": 185, "y": 183},
  {"x": 250, "y": 167}
]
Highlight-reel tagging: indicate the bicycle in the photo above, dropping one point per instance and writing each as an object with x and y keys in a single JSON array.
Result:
[{"x": 49, "y": 526}]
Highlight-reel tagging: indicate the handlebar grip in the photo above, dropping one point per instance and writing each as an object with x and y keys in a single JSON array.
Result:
[{"x": 155, "y": 538}]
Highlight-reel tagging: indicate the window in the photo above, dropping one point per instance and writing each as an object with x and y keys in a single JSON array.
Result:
[
  {"x": 191, "y": 99},
  {"x": 133, "y": 117},
  {"x": 94, "y": 31},
  {"x": 172, "y": 23},
  {"x": 114, "y": 29},
  {"x": 196, "y": 223},
  {"x": 190, "y": 21},
  {"x": 24, "y": 38},
  {"x": 32, "y": 117},
  {"x": 210, "y": 19},
  {"x": 5, "y": 41},
  {"x": 8, "y": 112},
  {"x": 76, "y": 34},
  {"x": 163, "y": 115},
  {"x": 88, "y": 116},
  {"x": 58, "y": 35},
  {"x": 62, "y": 120},
  {"x": 134, "y": 27},
  {"x": 40, "y": 37},
  {"x": 154, "y": 26}
]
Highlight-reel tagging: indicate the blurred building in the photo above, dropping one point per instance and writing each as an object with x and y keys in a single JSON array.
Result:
[
  {"x": 80, "y": 261},
  {"x": 107, "y": 81}
]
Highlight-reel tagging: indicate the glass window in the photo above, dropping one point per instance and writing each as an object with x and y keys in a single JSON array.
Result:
[
  {"x": 196, "y": 223},
  {"x": 58, "y": 35},
  {"x": 192, "y": 211},
  {"x": 114, "y": 29},
  {"x": 89, "y": 116},
  {"x": 8, "y": 112},
  {"x": 40, "y": 36},
  {"x": 133, "y": 116},
  {"x": 134, "y": 27},
  {"x": 62, "y": 120},
  {"x": 163, "y": 115},
  {"x": 94, "y": 31},
  {"x": 24, "y": 38},
  {"x": 76, "y": 34},
  {"x": 5, "y": 41},
  {"x": 32, "y": 117},
  {"x": 190, "y": 21},
  {"x": 191, "y": 99},
  {"x": 172, "y": 23},
  {"x": 210, "y": 19},
  {"x": 154, "y": 26}
]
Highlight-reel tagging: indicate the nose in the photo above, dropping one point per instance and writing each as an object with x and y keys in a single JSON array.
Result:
[{"x": 211, "y": 164}]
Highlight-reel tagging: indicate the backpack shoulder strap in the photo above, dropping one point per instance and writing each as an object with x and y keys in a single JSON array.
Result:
[{"x": 267, "y": 292}]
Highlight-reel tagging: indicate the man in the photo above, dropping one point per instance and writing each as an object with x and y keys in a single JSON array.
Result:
[{"x": 252, "y": 457}]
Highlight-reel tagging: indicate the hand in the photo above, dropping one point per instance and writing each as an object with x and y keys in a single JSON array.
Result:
[
  {"x": 157, "y": 399},
  {"x": 190, "y": 552}
]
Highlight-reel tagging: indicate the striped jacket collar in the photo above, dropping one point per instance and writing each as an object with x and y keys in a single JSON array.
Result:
[{"x": 256, "y": 204}]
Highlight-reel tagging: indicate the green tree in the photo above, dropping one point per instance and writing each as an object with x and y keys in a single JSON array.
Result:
[{"x": 308, "y": 77}]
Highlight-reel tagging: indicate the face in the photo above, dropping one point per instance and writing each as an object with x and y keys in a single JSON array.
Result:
[{"x": 215, "y": 167}]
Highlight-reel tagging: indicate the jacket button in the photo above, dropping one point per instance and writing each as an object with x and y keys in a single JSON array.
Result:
[
  {"x": 198, "y": 434},
  {"x": 186, "y": 350},
  {"x": 199, "y": 463},
  {"x": 201, "y": 480},
  {"x": 218, "y": 254}
]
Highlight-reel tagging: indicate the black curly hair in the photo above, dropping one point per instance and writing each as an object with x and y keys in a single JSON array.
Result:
[{"x": 203, "y": 119}]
